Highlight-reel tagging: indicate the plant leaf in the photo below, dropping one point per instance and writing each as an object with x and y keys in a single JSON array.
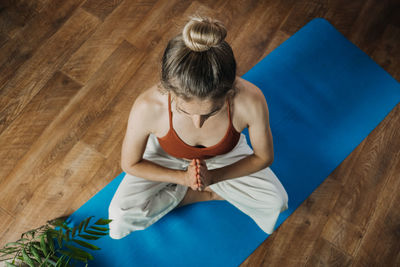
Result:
[
  {"x": 66, "y": 227},
  {"x": 45, "y": 261},
  {"x": 99, "y": 228},
  {"x": 36, "y": 254},
  {"x": 80, "y": 252},
  {"x": 67, "y": 235},
  {"x": 7, "y": 251},
  {"x": 72, "y": 255},
  {"x": 10, "y": 264},
  {"x": 27, "y": 259},
  {"x": 57, "y": 222},
  {"x": 86, "y": 244},
  {"x": 59, "y": 237},
  {"x": 50, "y": 241},
  {"x": 73, "y": 231},
  {"x": 60, "y": 261},
  {"x": 53, "y": 232},
  {"x": 66, "y": 264},
  {"x": 95, "y": 232},
  {"x": 22, "y": 239},
  {"x": 43, "y": 245},
  {"x": 89, "y": 237},
  {"x": 12, "y": 244},
  {"x": 87, "y": 222},
  {"x": 80, "y": 225},
  {"x": 103, "y": 221}
]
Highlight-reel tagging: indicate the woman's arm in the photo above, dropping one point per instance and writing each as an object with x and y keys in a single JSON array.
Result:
[
  {"x": 257, "y": 115},
  {"x": 140, "y": 124}
]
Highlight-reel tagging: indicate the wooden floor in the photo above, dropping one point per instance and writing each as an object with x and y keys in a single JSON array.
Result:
[{"x": 70, "y": 71}]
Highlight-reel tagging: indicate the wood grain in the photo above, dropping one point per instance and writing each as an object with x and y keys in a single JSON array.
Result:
[{"x": 71, "y": 70}]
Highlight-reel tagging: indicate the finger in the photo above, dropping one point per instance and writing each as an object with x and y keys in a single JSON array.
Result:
[{"x": 199, "y": 181}]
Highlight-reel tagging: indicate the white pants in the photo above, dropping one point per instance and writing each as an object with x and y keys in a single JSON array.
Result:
[{"x": 138, "y": 202}]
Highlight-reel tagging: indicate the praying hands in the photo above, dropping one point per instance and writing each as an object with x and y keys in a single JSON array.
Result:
[
  {"x": 197, "y": 176},
  {"x": 203, "y": 175}
]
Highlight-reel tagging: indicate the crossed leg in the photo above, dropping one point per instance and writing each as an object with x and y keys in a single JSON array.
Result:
[{"x": 193, "y": 196}]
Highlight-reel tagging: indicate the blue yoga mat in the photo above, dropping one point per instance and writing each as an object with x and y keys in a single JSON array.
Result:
[{"x": 325, "y": 96}]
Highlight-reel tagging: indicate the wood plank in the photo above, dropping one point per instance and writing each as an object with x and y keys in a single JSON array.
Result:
[
  {"x": 23, "y": 45},
  {"x": 22, "y": 133},
  {"x": 301, "y": 13},
  {"x": 66, "y": 177},
  {"x": 96, "y": 49},
  {"x": 100, "y": 8},
  {"x": 367, "y": 29},
  {"x": 380, "y": 244},
  {"x": 65, "y": 130},
  {"x": 35, "y": 73},
  {"x": 386, "y": 52},
  {"x": 254, "y": 34},
  {"x": 342, "y": 13},
  {"x": 15, "y": 15},
  {"x": 150, "y": 31},
  {"x": 3, "y": 39},
  {"x": 362, "y": 192},
  {"x": 6, "y": 221},
  {"x": 326, "y": 254},
  {"x": 300, "y": 232}
]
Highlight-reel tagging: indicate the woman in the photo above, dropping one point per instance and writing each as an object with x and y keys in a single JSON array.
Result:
[{"x": 184, "y": 144}]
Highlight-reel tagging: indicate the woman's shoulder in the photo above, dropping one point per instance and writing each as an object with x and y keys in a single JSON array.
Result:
[
  {"x": 248, "y": 92},
  {"x": 152, "y": 104},
  {"x": 152, "y": 99},
  {"x": 248, "y": 97}
]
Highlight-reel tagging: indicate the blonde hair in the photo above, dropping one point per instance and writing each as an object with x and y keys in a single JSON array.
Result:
[{"x": 199, "y": 62}]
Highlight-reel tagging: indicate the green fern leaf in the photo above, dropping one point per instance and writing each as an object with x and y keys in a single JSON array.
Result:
[
  {"x": 89, "y": 237},
  {"x": 27, "y": 259},
  {"x": 57, "y": 222},
  {"x": 99, "y": 228},
  {"x": 95, "y": 232},
  {"x": 73, "y": 231},
  {"x": 50, "y": 241},
  {"x": 103, "y": 221},
  {"x": 60, "y": 261},
  {"x": 43, "y": 245},
  {"x": 87, "y": 222},
  {"x": 86, "y": 244},
  {"x": 72, "y": 255},
  {"x": 12, "y": 244},
  {"x": 67, "y": 235},
  {"x": 80, "y": 252},
  {"x": 81, "y": 225},
  {"x": 59, "y": 237},
  {"x": 36, "y": 254},
  {"x": 46, "y": 260},
  {"x": 67, "y": 262}
]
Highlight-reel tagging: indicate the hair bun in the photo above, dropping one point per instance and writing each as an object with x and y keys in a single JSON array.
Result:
[{"x": 201, "y": 33}]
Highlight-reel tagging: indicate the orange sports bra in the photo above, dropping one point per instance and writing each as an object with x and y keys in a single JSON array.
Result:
[{"x": 174, "y": 145}]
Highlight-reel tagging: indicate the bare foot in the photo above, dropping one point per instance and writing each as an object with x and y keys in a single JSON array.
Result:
[
  {"x": 213, "y": 194},
  {"x": 192, "y": 196}
]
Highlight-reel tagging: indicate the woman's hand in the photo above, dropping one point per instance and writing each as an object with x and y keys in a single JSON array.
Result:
[
  {"x": 190, "y": 176},
  {"x": 203, "y": 174}
]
